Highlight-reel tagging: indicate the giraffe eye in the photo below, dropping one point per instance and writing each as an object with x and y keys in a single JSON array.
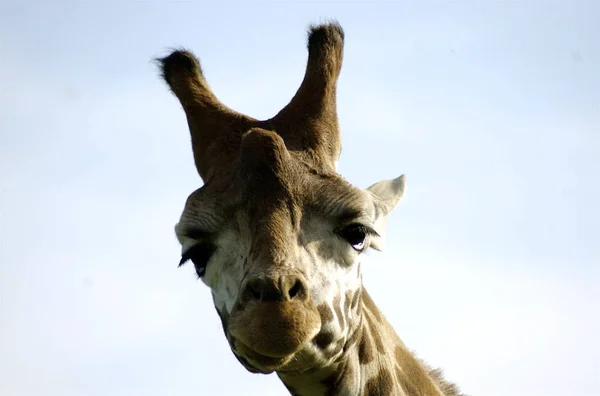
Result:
[
  {"x": 199, "y": 255},
  {"x": 355, "y": 235}
]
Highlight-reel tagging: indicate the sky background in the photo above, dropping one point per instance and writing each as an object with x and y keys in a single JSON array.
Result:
[{"x": 491, "y": 109}]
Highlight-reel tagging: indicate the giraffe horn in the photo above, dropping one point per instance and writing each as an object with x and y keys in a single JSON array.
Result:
[
  {"x": 309, "y": 122},
  {"x": 215, "y": 129}
]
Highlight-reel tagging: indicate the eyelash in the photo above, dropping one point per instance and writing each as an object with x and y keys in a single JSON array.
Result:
[
  {"x": 199, "y": 255},
  {"x": 351, "y": 231}
]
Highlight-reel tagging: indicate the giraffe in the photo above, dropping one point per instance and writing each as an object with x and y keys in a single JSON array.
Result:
[{"x": 277, "y": 235}]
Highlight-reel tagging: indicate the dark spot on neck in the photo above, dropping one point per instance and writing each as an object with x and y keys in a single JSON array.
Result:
[
  {"x": 380, "y": 385},
  {"x": 365, "y": 348},
  {"x": 325, "y": 313},
  {"x": 323, "y": 339}
]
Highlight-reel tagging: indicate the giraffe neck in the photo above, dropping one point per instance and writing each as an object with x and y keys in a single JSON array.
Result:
[{"x": 376, "y": 362}]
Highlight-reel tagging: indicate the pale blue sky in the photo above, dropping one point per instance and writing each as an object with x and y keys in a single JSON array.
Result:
[{"x": 492, "y": 109}]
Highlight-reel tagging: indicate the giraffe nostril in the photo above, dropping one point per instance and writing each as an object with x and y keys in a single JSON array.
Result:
[{"x": 296, "y": 289}]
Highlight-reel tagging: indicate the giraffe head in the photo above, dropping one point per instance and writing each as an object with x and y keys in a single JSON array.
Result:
[{"x": 274, "y": 231}]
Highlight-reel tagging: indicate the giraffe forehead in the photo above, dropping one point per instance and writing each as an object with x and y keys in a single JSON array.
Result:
[{"x": 256, "y": 197}]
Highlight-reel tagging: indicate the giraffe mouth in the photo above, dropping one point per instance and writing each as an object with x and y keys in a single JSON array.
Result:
[{"x": 259, "y": 362}]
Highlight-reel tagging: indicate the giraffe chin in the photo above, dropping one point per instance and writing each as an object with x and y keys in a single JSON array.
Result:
[{"x": 257, "y": 363}]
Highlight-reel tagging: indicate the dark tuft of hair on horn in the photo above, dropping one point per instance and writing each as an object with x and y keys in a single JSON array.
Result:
[
  {"x": 180, "y": 61},
  {"x": 325, "y": 34}
]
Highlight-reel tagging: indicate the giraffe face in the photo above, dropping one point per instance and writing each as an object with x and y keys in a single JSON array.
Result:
[{"x": 279, "y": 245}]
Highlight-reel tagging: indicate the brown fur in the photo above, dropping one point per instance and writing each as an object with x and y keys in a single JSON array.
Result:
[
  {"x": 380, "y": 385},
  {"x": 448, "y": 388},
  {"x": 366, "y": 353},
  {"x": 263, "y": 175},
  {"x": 323, "y": 339},
  {"x": 325, "y": 312}
]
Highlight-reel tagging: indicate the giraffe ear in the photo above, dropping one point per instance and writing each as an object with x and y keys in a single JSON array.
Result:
[{"x": 385, "y": 196}]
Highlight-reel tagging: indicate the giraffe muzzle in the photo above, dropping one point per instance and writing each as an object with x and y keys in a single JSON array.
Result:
[{"x": 273, "y": 319}]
